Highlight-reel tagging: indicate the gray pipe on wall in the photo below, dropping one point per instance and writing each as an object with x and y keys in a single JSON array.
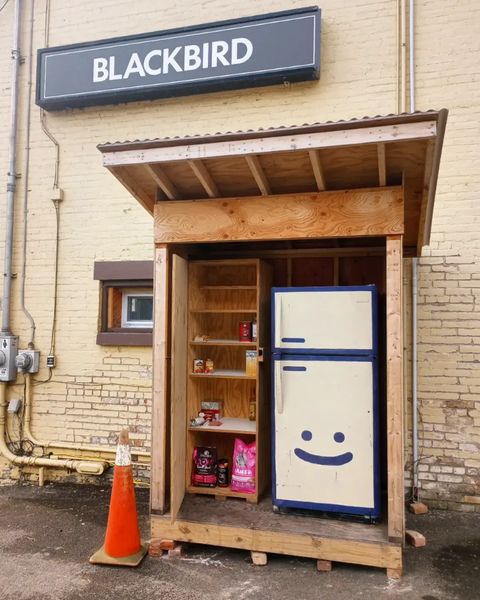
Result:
[{"x": 11, "y": 175}]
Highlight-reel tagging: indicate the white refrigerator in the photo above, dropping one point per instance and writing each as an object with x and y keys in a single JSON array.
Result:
[{"x": 325, "y": 400}]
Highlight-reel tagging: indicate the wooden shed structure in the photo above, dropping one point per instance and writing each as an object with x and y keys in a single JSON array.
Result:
[{"x": 328, "y": 203}]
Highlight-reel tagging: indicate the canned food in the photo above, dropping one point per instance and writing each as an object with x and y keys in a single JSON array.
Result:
[
  {"x": 198, "y": 365},
  {"x": 209, "y": 365},
  {"x": 245, "y": 331},
  {"x": 222, "y": 473}
]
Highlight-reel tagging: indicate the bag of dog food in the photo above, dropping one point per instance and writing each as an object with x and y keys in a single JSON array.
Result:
[
  {"x": 204, "y": 469},
  {"x": 244, "y": 467}
]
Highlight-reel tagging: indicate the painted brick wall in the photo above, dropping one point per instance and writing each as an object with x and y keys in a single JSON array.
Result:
[
  {"x": 95, "y": 390},
  {"x": 449, "y": 271}
]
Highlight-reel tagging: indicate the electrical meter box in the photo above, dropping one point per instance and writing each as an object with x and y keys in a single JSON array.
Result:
[{"x": 8, "y": 352}]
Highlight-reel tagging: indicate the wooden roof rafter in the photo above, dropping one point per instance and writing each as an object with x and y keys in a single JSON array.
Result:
[
  {"x": 382, "y": 165},
  {"x": 163, "y": 181},
  {"x": 258, "y": 174},
  {"x": 317, "y": 169},
  {"x": 204, "y": 177},
  {"x": 348, "y": 155}
]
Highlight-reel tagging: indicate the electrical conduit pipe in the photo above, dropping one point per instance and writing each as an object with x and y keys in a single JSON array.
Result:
[{"x": 81, "y": 466}]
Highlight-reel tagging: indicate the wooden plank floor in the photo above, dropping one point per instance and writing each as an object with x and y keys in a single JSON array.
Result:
[{"x": 206, "y": 510}]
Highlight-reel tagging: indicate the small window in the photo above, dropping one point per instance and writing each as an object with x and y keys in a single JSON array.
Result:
[
  {"x": 137, "y": 309},
  {"x": 126, "y": 303}
]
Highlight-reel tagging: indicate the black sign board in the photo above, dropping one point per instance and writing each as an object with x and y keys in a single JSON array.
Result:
[{"x": 240, "y": 53}]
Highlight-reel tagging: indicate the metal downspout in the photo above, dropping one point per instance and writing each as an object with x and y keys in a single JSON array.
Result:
[
  {"x": 411, "y": 41},
  {"x": 414, "y": 379},
  {"x": 11, "y": 175},
  {"x": 26, "y": 173}
]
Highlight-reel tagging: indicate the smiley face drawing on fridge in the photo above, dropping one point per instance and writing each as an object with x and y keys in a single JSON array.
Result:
[
  {"x": 316, "y": 459},
  {"x": 325, "y": 408}
]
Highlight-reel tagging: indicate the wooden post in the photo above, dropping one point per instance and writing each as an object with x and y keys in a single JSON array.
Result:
[
  {"x": 395, "y": 456},
  {"x": 161, "y": 369}
]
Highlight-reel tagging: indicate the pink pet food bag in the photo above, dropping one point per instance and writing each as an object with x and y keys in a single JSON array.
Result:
[{"x": 244, "y": 467}]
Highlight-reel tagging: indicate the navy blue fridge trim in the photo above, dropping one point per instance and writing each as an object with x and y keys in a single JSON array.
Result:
[
  {"x": 367, "y": 511},
  {"x": 335, "y": 351}
]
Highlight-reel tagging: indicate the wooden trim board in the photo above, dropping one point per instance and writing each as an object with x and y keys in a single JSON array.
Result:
[
  {"x": 178, "y": 404},
  {"x": 347, "y": 213},
  {"x": 385, "y": 555},
  {"x": 161, "y": 363},
  {"x": 395, "y": 454},
  {"x": 265, "y": 145}
]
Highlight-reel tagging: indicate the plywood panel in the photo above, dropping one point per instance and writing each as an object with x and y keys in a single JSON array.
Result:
[
  {"x": 160, "y": 379},
  {"x": 349, "y": 213},
  {"x": 356, "y": 164},
  {"x": 395, "y": 482},
  {"x": 289, "y": 172},
  {"x": 179, "y": 381},
  {"x": 232, "y": 176},
  {"x": 185, "y": 180}
]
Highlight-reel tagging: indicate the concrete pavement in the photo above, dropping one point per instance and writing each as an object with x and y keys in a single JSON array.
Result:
[{"x": 47, "y": 535}]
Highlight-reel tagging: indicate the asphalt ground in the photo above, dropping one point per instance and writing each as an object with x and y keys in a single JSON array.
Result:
[{"x": 47, "y": 535}]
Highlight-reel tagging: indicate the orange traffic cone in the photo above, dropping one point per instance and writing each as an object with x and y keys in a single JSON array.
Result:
[{"x": 122, "y": 545}]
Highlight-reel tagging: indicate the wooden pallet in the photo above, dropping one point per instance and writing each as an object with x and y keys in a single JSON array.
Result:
[{"x": 256, "y": 528}]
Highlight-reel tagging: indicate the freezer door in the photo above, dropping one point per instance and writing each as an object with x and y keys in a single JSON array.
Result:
[
  {"x": 332, "y": 320},
  {"x": 324, "y": 450}
]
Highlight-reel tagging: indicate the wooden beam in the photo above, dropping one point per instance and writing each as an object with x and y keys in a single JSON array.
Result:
[
  {"x": 317, "y": 169},
  {"x": 395, "y": 456},
  {"x": 178, "y": 408},
  {"x": 161, "y": 369},
  {"x": 429, "y": 154},
  {"x": 299, "y": 252},
  {"x": 258, "y": 174},
  {"x": 204, "y": 177},
  {"x": 163, "y": 181},
  {"x": 132, "y": 185},
  {"x": 359, "y": 552},
  {"x": 432, "y": 178},
  {"x": 382, "y": 165},
  {"x": 278, "y": 143},
  {"x": 348, "y": 213}
]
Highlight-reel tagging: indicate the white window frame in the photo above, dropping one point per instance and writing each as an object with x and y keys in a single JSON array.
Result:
[{"x": 126, "y": 294}]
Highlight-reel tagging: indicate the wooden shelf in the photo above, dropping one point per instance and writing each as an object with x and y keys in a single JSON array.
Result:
[
  {"x": 218, "y": 342},
  {"x": 228, "y": 287},
  {"x": 226, "y": 311},
  {"x": 224, "y": 374},
  {"x": 229, "y": 425},
  {"x": 219, "y": 491}
]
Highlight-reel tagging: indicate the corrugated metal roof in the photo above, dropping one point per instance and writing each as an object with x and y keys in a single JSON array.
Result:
[{"x": 355, "y": 122}]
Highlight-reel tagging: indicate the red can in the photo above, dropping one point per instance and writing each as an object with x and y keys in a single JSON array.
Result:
[{"x": 245, "y": 331}]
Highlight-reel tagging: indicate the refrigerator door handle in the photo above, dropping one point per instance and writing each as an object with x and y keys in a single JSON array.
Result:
[{"x": 278, "y": 389}]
